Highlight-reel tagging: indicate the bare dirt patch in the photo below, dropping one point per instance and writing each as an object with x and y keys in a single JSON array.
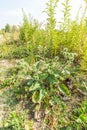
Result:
[{"x": 4, "y": 65}]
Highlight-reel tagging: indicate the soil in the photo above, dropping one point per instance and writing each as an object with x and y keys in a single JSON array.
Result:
[{"x": 4, "y": 65}]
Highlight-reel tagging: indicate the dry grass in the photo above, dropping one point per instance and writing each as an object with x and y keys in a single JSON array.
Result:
[{"x": 7, "y": 37}]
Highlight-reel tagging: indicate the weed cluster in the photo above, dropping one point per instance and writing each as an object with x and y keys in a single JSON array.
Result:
[{"x": 51, "y": 75}]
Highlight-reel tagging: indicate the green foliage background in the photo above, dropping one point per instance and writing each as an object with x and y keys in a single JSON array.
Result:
[{"x": 52, "y": 68}]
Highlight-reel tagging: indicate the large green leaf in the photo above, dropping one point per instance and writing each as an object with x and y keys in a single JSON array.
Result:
[
  {"x": 43, "y": 76},
  {"x": 30, "y": 82},
  {"x": 35, "y": 86},
  {"x": 35, "y": 97},
  {"x": 64, "y": 89},
  {"x": 41, "y": 95},
  {"x": 51, "y": 78},
  {"x": 38, "y": 65},
  {"x": 83, "y": 117},
  {"x": 38, "y": 96}
]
